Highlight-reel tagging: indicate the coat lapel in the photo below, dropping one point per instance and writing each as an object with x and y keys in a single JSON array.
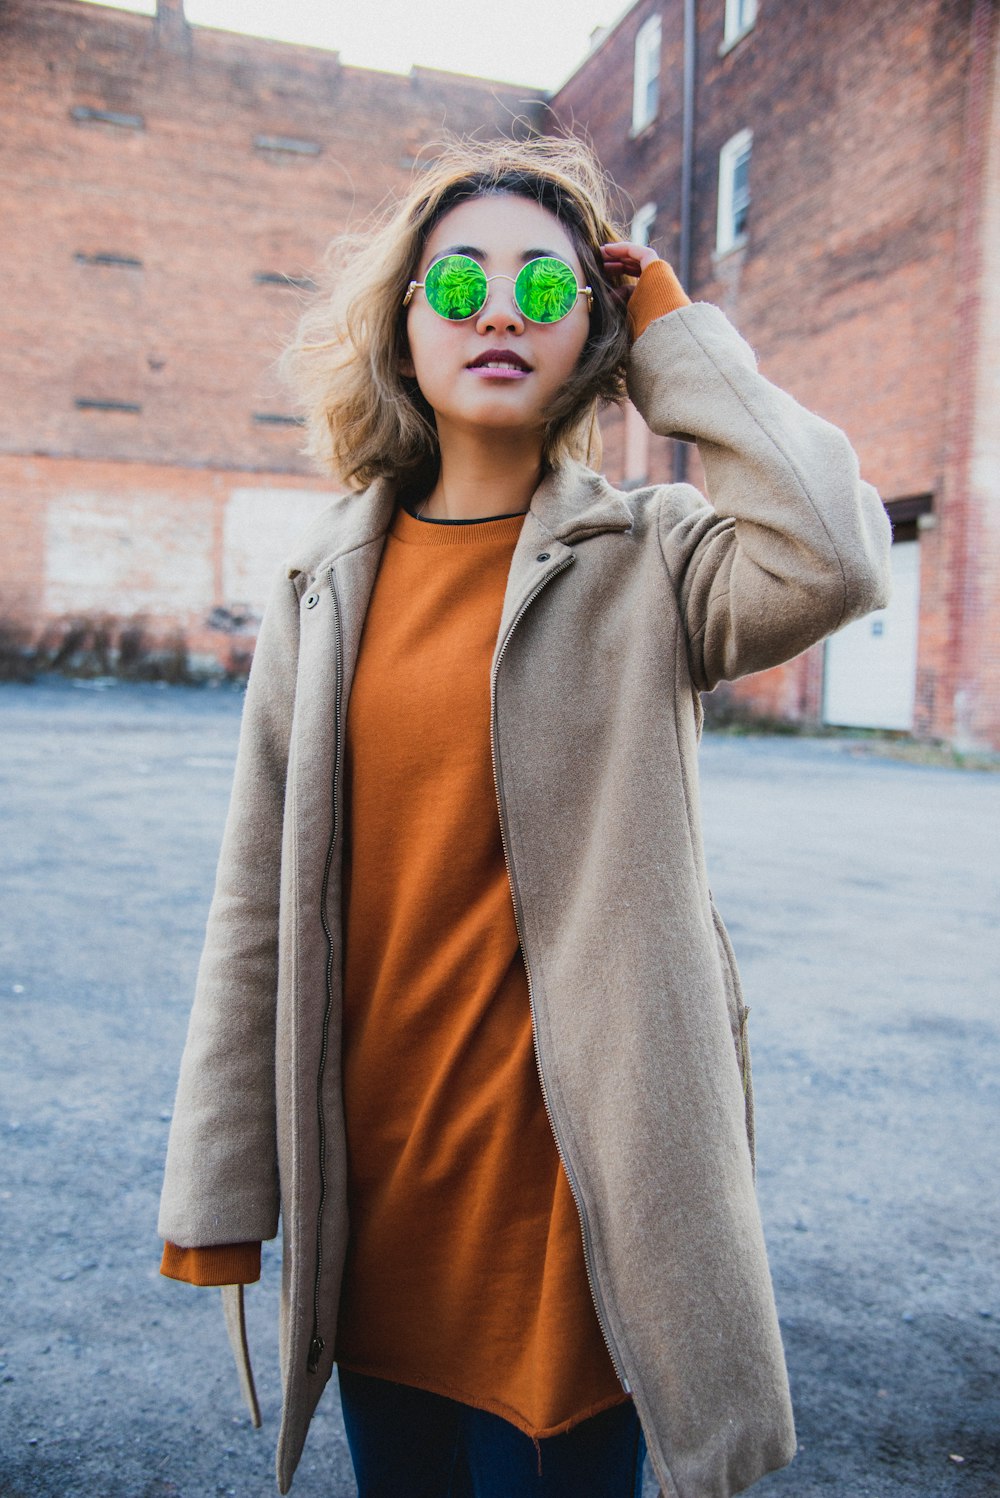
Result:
[
  {"x": 346, "y": 551},
  {"x": 570, "y": 504}
]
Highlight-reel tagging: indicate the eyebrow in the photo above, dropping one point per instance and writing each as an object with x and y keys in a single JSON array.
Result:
[{"x": 477, "y": 254}]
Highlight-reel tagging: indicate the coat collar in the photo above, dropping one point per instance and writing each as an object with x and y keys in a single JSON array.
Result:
[{"x": 570, "y": 504}]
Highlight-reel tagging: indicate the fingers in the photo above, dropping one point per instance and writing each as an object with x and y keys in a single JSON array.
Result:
[{"x": 623, "y": 258}]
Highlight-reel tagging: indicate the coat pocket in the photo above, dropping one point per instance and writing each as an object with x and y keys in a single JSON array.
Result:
[{"x": 738, "y": 1017}]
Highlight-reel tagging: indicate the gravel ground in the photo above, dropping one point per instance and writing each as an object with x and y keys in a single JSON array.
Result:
[{"x": 862, "y": 897}]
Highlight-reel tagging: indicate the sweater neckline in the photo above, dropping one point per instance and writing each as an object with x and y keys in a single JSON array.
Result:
[{"x": 494, "y": 530}]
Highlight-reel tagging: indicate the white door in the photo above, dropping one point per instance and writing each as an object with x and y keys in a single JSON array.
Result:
[{"x": 870, "y": 666}]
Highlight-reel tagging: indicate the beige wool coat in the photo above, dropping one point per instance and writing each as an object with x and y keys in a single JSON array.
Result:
[{"x": 620, "y": 608}]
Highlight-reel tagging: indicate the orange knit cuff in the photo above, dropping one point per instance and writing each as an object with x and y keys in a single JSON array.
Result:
[
  {"x": 657, "y": 292},
  {"x": 220, "y": 1264}
]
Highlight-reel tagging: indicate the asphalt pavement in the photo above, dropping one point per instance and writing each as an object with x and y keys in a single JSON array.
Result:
[{"x": 863, "y": 898}]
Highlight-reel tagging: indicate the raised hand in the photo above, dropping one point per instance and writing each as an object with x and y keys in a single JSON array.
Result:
[{"x": 622, "y": 260}]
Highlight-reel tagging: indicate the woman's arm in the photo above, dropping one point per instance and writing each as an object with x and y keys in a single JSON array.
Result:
[
  {"x": 793, "y": 544},
  {"x": 221, "y": 1181}
]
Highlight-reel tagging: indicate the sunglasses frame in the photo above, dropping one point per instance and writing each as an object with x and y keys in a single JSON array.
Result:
[{"x": 586, "y": 291}]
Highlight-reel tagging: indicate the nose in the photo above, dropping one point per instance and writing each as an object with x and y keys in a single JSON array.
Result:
[{"x": 499, "y": 312}]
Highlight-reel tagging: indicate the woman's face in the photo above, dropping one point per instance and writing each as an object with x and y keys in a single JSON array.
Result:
[{"x": 495, "y": 372}]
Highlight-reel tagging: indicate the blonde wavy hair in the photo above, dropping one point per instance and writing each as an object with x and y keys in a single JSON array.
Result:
[{"x": 364, "y": 419}]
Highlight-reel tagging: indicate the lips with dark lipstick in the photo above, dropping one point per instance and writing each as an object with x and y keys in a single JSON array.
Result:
[{"x": 503, "y": 356}]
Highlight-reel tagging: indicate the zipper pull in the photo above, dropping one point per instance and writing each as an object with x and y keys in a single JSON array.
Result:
[{"x": 316, "y": 1346}]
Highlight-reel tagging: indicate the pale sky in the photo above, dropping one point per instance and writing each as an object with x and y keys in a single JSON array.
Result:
[{"x": 536, "y": 42}]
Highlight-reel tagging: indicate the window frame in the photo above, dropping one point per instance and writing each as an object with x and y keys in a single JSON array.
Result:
[
  {"x": 648, "y": 43},
  {"x": 727, "y": 238},
  {"x": 740, "y": 20},
  {"x": 643, "y": 220}
]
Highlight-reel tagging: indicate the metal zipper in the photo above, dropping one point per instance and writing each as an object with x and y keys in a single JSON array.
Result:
[
  {"x": 316, "y": 1342},
  {"x": 595, "y": 1294}
]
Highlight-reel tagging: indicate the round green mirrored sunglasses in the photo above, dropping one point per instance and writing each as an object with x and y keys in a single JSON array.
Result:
[{"x": 545, "y": 290}]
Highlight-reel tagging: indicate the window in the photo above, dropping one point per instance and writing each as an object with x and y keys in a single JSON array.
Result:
[
  {"x": 646, "y": 79},
  {"x": 734, "y": 192},
  {"x": 287, "y": 143},
  {"x": 288, "y": 283},
  {"x": 740, "y": 18},
  {"x": 86, "y": 114},
  {"x": 642, "y": 224},
  {"x": 108, "y": 258},
  {"x": 635, "y": 455},
  {"x": 95, "y": 403}
]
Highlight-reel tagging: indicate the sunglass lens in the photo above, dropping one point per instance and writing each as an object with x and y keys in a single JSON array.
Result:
[
  {"x": 546, "y": 289},
  {"x": 456, "y": 287}
]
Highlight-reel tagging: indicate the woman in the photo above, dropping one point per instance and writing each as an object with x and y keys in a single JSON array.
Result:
[{"x": 466, "y": 1014}]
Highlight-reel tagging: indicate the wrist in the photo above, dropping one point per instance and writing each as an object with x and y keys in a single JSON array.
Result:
[
  {"x": 657, "y": 292},
  {"x": 218, "y": 1264}
]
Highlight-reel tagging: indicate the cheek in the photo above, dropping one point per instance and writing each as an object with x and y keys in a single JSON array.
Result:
[
  {"x": 421, "y": 340},
  {"x": 572, "y": 352}
]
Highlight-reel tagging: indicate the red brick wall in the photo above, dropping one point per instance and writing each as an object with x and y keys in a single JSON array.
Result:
[
  {"x": 189, "y": 335},
  {"x": 867, "y": 283},
  {"x": 597, "y": 102},
  {"x": 184, "y": 552},
  {"x": 969, "y": 674},
  {"x": 854, "y": 284},
  {"x": 179, "y": 325}
]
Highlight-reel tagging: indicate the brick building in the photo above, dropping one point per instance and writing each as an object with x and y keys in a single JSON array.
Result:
[
  {"x": 826, "y": 173},
  {"x": 166, "y": 192},
  {"x": 842, "y": 204}
]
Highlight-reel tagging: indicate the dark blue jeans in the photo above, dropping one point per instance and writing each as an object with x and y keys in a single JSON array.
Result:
[{"x": 406, "y": 1443}]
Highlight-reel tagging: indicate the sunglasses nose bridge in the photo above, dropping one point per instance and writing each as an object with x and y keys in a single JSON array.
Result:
[{"x": 507, "y": 305}]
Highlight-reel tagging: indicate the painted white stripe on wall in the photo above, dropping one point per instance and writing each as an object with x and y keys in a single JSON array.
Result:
[
  {"x": 126, "y": 554},
  {"x": 259, "y": 528}
]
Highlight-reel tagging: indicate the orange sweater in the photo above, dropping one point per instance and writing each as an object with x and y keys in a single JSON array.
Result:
[{"x": 465, "y": 1271}]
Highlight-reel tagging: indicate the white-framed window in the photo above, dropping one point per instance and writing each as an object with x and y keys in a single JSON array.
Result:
[
  {"x": 734, "y": 192},
  {"x": 642, "y": 223},
  {"x": 646, "y": 74},
  {"x": 636, "y": 433},
  {"x": 740, "y": 18}
]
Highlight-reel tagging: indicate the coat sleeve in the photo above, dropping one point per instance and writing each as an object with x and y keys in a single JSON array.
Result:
[
  {"x": 221, "y": 1181},
  {"x": 793, "y": 544}
]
